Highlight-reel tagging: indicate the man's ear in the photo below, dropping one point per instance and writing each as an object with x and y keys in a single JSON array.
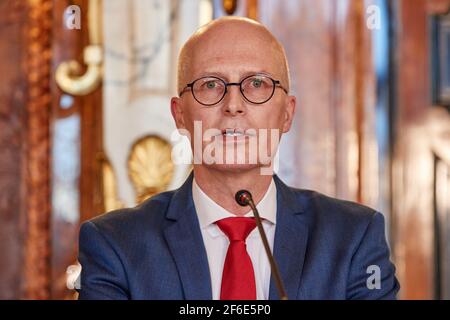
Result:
[
  {"x": 291, "y": 103},
  {"x": 176, "y": 108}
]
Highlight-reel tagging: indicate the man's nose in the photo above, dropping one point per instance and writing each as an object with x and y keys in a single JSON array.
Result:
[{"x": 234, "y": 101}]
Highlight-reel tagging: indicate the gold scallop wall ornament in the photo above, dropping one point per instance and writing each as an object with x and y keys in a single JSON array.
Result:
[
  {"x": 150, "y": 166},
  {"x": 111, "y": 198}
]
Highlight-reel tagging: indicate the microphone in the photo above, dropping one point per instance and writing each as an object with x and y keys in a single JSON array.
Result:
[{"x": 244, "y": 198}]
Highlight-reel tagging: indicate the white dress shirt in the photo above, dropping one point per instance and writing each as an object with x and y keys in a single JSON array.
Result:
[{"x": 216, "y": 242}]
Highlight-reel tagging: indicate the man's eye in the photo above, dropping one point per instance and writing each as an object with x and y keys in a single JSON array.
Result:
[
  {"x": 257, "y": 83},
  {"x": 210, "y": 84}
]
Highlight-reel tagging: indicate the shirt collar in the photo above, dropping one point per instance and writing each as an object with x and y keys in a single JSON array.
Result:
[{"x": 209, "y": 212}]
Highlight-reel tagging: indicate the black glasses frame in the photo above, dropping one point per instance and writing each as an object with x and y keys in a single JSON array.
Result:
[{"x": 276, "y": 84}]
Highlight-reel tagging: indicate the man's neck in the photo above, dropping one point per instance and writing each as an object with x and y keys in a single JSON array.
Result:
[{"x": 221, "y": 186}]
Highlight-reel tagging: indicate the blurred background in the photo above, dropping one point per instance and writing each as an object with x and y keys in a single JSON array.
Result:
[{"x": 85, "y": 124}]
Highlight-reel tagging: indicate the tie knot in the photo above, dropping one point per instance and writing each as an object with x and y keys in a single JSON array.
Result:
[{"x": 238, "y": 228}]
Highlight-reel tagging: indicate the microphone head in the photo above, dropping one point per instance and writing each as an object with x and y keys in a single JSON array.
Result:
[{"x": 243, "y": 197}]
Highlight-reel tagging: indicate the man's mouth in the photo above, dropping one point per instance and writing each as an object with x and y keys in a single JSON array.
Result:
[
  {"x": 235, "y": 132},
  {"x": 230, "y": 132}
]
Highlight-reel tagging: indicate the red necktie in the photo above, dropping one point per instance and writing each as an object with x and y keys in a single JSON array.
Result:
[{"x": 238, "y": 278}]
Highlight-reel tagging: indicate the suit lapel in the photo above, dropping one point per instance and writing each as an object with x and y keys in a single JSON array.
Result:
[
  {"x": 185, "y": 242},
  {"x": 291, "y": 237}
]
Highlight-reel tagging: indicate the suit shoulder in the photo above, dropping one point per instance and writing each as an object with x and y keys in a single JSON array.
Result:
[
  {"x": 341, "y": 222},
  {"x": 149, "y": 211},
  {"x": 334, "y": 209}
]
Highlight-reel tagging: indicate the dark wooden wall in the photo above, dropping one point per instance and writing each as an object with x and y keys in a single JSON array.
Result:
[
  {"x": 421, "y": 129},
  {"x": 13, "y": 99},
  {"x": 25, "y": 101},
  {"x": 36, "y": 246}
]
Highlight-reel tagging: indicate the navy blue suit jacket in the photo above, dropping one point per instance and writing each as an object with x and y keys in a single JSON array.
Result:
[{"x": 323, "y": 247}]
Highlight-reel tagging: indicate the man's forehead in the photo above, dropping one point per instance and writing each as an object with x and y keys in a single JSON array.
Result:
[
  {"x": 235, "y": 64},
  {"x": 233, "y": 74},
  {"x": 232, "y": 38},
  {"x": 229, "y": 25}
]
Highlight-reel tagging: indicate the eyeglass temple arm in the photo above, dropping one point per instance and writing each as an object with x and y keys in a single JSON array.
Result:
[
  {"x": 189, "y": 85},
  {"x": 278, "y": 84}
]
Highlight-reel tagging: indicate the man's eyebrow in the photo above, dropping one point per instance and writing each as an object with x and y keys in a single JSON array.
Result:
[{"x": 226, "y": 78}]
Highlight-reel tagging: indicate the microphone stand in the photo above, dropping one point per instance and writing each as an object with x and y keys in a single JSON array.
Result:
[{"x": 244, "y": 198}]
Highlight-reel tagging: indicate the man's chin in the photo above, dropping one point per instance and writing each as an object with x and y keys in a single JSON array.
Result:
[{"x": 235, "y": 167}]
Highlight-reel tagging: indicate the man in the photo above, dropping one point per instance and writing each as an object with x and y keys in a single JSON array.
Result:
[{"x": 197, "y": 242}]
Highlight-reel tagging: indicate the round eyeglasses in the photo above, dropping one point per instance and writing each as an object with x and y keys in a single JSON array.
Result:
[{"x": 256, "y": 89}]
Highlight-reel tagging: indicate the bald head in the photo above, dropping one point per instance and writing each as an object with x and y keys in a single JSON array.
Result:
[{"x": 223, "y": 39}]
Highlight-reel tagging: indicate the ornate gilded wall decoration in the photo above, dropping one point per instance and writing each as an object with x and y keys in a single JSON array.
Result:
[
  {"x": 110, "y": 197},
  {"x": 229, "y": 6},
  {"x": 67, "y": 74},
  {"x": 150, "y": 166}
]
